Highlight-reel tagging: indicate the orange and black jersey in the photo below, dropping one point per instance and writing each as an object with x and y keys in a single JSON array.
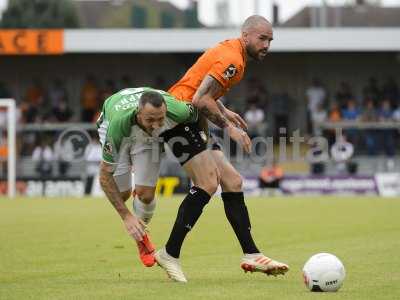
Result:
[{"x": 225, "y": 62}]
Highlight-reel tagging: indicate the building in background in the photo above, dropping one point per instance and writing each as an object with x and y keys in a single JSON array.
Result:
[
  {"x": 359, "y": 14},
  {"x": 136, "y": 14}
]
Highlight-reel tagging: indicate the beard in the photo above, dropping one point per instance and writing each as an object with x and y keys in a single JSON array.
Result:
[{"x": 254, "y": 53}]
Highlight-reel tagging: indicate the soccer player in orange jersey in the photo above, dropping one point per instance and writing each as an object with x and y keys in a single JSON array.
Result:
[{"x": 214, "y": 73}]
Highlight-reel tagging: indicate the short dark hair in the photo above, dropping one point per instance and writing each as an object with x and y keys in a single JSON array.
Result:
[{"x": 152, "y": 97}]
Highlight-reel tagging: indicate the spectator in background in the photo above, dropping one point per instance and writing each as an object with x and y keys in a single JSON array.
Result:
[
  {"x": 316, "y": 95},
  {"x": 351, "y": 113},
  {"x": 26, "y": 141},
  {"x": 57, "y": 93},
  {"x": 334, "y": 113},
  {"x": 333, "y": 116},
  {"x": 108, "y": 90},
  {"x": 385, "y": 114},
  {"x": 32, "y": 107},
  {"x": 372, "y": 91},
  {"x": 343, "y": 94},
  {"x": 61, "y": 112},
  {"x": 270, "y": 177},
  {"x": 89, "y": 99},
  {"x": 369, "y": 115},
  {"x": 35, "y": 93},
  {"x": 43, "y": 155},
  {"x": 318, "y": 116},
  {"x": 254, "y": 117},
  {"x": 369, "y": 112},
  {"x": 396, "y": 114},
  {"x": 391, "y": 91},
  {"x": 30, "y": 113}
]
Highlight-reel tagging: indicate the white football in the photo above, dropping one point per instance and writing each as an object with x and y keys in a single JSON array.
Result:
[{"x": 323, "y": 272}]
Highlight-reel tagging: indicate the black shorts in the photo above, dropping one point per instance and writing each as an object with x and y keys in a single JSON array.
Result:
[{"x": 186, "y": 140}]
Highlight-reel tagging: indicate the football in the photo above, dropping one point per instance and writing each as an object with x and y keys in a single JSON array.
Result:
[{"x": 323, "y": 272}]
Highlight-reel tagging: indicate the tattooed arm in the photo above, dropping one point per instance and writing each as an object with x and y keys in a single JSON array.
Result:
[
  {"x": 232, "y": 116},
  {"x": 132, "y": 224},
  {"x": 221, "y": 106},
  {"x": 205, "y": 100}
]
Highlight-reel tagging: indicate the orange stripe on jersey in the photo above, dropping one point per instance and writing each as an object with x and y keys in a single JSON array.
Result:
[{"x": 225, "y": 62}]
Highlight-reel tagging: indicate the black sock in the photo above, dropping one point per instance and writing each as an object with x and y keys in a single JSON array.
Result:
[
  {"x": 238, "y": 217},
  {"x": 188, "y": 213}
]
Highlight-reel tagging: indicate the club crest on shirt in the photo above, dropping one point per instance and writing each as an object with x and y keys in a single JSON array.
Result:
[
  {"x": 230, "y": 72},
  {"x": 107, "y": 148}
]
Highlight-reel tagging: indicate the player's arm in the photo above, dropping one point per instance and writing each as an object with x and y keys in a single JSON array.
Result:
[
  {"x": 232, "y": 116},
  {"x": 133, "y": 224},
  {"x": 204, "y": 100}
]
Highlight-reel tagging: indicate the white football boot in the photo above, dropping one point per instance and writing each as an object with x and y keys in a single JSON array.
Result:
[
  {"x": 170, "y": 265},
  {"x": 258, "y": 262}
]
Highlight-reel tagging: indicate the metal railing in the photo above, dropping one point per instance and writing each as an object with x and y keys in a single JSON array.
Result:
[{"x": 358, "y": 125}]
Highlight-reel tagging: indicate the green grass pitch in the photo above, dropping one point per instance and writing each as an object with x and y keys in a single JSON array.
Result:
[{"x": 78, "y": 249}]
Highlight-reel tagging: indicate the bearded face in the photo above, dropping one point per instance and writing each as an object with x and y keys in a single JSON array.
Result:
[
  {"x": 256, "y": 53},
  {"x": 258, "y": 40}
]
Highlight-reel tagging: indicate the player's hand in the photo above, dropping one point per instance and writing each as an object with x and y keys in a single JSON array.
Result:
[
  {"x": 135, "y": 227},
  {"x": 235, "y": 119},
  {"x": 240, "y": 137}
]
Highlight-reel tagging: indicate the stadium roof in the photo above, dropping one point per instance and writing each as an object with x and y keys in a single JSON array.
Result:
[
  {"x": 197, "y": 40},
  {"x": 347, "y": 16}
]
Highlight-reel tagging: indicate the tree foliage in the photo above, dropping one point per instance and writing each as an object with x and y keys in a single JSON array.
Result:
[{"x": 40, "y": 14}]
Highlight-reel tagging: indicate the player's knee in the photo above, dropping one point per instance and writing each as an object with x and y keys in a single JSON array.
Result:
[
  {"x": 210, "y": 183},
  {"x": 210, "y": 188},
  {"x": 125, "y": 195},
  {"x": 144, "y": 194},
  {"x": 237, "y": 182},
  {"x": 233, "y": 183}
]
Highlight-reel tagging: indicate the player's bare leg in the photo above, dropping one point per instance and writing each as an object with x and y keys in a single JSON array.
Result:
[
  {"x": 204, "y": 174},
  {"x": 144, "y": 204},
  {"x": 237, "y": 215},
  {"x": 146, "y": 249}
]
